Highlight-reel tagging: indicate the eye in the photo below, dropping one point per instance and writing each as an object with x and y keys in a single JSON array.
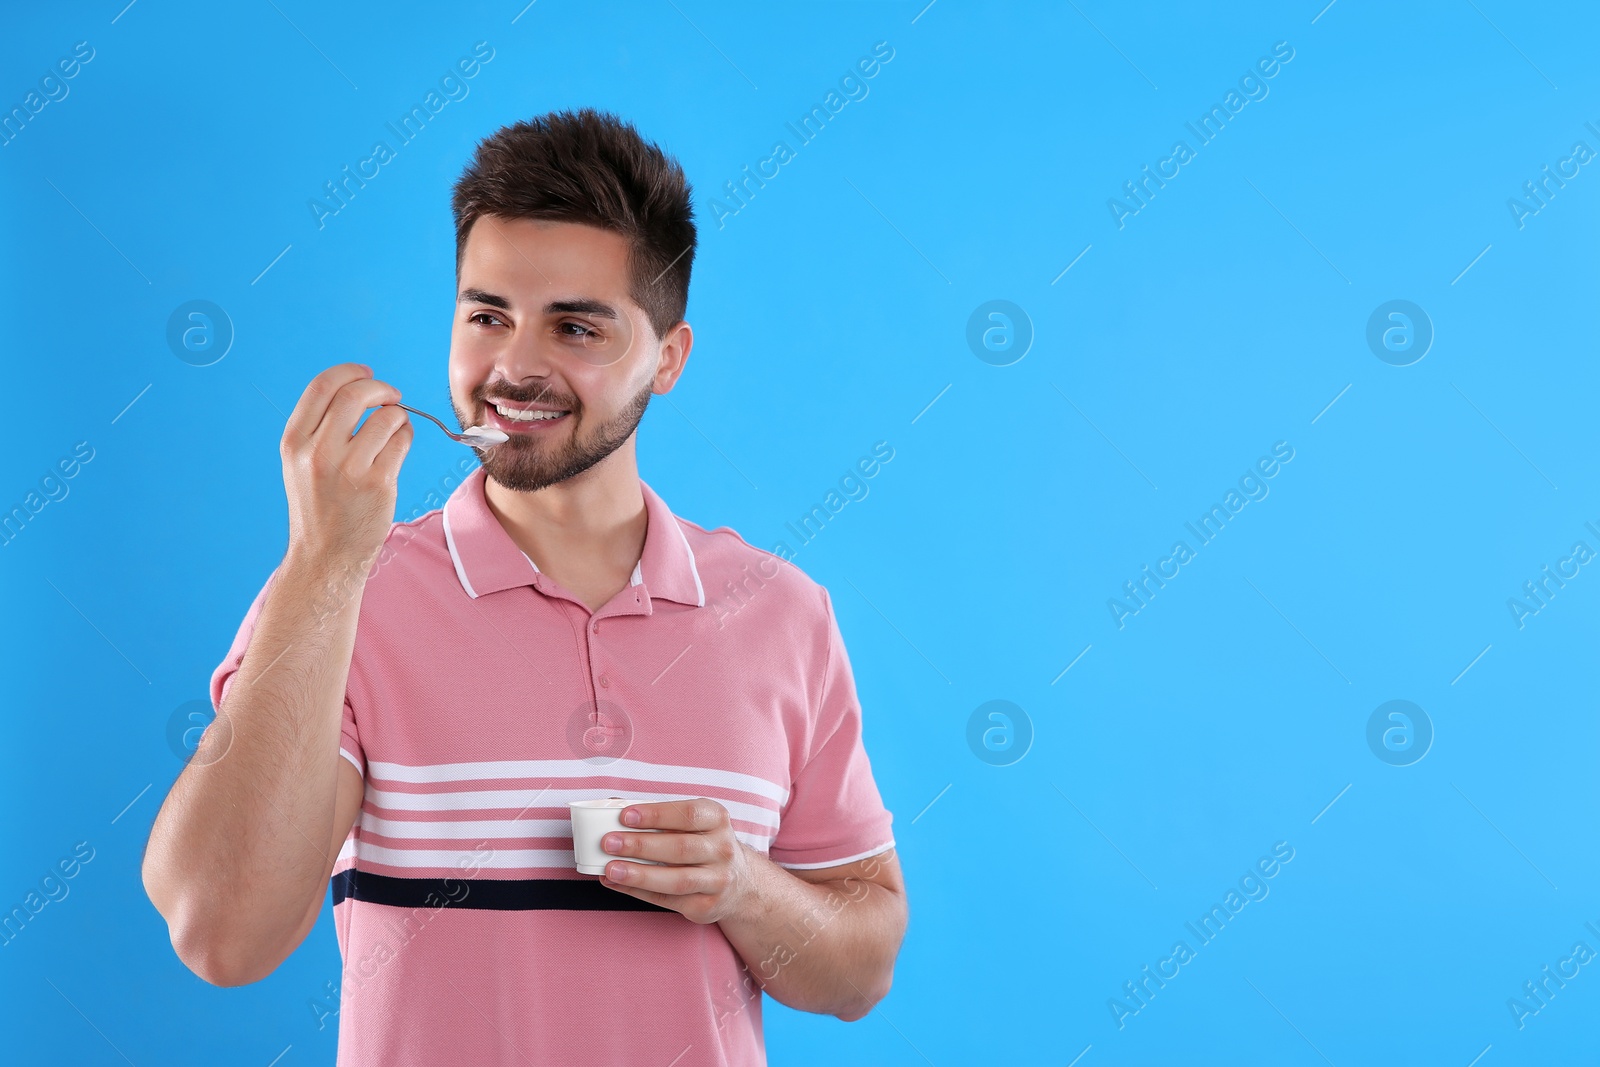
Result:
[
  {"x": 584, "y": 331},
  {"x": 476, "y": 315}
]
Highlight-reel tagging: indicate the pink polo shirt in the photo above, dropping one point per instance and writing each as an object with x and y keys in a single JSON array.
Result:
[{"x": 482, "y": 696}]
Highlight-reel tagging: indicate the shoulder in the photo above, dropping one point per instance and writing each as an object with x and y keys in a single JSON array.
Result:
[
  {"x": 737, "y": 573},
  {"x": 424, "y": 530}
]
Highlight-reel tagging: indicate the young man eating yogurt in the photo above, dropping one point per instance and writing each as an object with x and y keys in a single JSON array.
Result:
[{"x": 408, "y": 708}]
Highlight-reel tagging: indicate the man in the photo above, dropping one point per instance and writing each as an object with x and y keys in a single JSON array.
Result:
[{"x": 408, "y": 707}]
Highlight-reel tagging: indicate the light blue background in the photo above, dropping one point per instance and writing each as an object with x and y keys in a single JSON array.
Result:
[{"x": 830, "y": 313}]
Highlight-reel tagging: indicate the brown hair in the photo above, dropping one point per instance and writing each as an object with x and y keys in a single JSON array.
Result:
[{"x": 590, "y": 167}]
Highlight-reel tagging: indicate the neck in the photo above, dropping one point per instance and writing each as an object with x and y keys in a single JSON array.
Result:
[{"x": 593, "y": 520}]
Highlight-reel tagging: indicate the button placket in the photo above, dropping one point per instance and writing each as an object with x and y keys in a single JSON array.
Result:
[{"x": 601, "y": 678}]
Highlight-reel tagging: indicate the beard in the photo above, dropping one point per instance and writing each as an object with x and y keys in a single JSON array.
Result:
[{"x": 527, "y": 462}]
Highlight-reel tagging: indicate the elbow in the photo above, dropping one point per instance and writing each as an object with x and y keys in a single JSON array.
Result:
[
  {"x": 208, "y": 964},
  {"x": 216, "y": 954},
  {"x": 865, "y": 1000},
  {"x": 217, "y": 959}
]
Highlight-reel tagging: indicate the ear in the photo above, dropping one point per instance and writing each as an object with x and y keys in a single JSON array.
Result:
[{"x": 675, "y": 346}]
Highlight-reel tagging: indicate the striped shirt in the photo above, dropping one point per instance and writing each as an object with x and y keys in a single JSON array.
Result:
[{"x": 482, "y": 697}]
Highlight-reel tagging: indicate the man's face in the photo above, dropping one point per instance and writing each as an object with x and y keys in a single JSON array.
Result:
[{"x": 543, "y": 320}]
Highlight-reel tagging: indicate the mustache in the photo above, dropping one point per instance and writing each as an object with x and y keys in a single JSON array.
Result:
[{"x": 541, "y": 395}]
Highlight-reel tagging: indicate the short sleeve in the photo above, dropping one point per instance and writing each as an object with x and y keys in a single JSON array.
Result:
[
  {"x": 350, "y": 740},
  {"x": 222, "y": 676},
  {"x": 835, "y": 814},
  {"x": 222, "y": 679}
]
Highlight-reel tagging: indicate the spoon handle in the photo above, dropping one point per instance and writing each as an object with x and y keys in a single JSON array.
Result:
[{"x": 453, "y": 435}]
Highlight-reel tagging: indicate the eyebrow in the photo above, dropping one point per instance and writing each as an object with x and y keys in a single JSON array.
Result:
[{"x": 580, "y": 306}]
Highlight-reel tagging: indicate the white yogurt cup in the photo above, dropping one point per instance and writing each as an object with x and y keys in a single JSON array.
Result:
[{"x": 591, "y": 821}]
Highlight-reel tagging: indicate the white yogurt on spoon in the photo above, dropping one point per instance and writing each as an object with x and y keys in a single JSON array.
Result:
[{"x": 484, "y": 436}]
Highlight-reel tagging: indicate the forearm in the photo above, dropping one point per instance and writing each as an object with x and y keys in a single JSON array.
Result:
[
  {"x": 239, "y": 848},
  {"x": 823, "y": 947}
]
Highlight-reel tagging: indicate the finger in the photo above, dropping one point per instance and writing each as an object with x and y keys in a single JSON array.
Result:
[
  {"x": 349, "y": 404},
  {"x": 671, "y": 881},
  {"x": 387, "y": 464},
  {"x": 698, "y": 815},
  {"x": 319, "y": 393},
  {"x": 635, "y": 891},
  {"x": 375, "y": 435},
  {"x": 666, "y": 847}
]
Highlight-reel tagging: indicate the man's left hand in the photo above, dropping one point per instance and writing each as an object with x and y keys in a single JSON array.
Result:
[{"x": 710, "y": 872}]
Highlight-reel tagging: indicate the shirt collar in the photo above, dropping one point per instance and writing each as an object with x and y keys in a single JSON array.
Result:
[{"x": 487, "y": 560}]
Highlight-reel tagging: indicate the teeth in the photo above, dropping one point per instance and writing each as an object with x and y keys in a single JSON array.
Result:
[{"x": 527, "y": 416}]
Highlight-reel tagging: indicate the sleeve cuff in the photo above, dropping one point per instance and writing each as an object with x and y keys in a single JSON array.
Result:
[{"x": 836, "y": 862}]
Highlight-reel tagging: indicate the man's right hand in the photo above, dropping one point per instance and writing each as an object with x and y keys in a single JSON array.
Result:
[{"x": 341, "y": 485}]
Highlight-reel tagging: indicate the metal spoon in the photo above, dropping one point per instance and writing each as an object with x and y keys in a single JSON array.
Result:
[{"x": 475, "y": 436}]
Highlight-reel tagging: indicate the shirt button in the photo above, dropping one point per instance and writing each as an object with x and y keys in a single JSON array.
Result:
[
  {"x": 596, "y": 627},
  {"x": 605, "y": 683}
]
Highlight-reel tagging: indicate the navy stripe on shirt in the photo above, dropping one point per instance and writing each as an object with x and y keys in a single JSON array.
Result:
[{"x": 511, "y": 894}]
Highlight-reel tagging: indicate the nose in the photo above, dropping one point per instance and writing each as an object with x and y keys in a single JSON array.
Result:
[{"x": 527, "y": 356}]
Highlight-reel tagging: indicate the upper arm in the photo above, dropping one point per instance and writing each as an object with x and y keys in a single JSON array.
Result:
[{"x": 346, "y": 809}]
